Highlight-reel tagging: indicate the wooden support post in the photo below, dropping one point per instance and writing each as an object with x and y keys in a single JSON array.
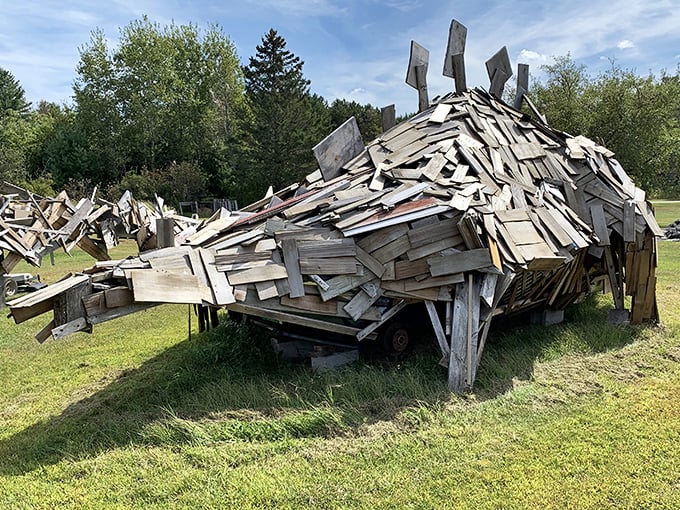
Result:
[
  {"x": 522, "y": 85},
  {"x": 617, "y": 292},
  {"x": 454, "y": 61},
  {"x": 421, "y": 79},
  {"x": 416, "y": 75},
  {"x": 458, "y": 339}
]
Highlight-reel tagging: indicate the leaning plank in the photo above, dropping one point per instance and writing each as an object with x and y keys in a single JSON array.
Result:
[
  {"x": 368, "y": 330},
  {"x": 221, "y": 289},
  {"x": 438, "y": 330},
  {"x": 64, "y": 330},
  {"x": 361, "y": 302},
  {"x": 459, "y": 262},
  {"x": 294, "y": 319},
  {"x": 343, "y": 283},
  {"x": 45, "y": 332},
  {"x": 369, "y": 262},
  {"x": 599, "y": 224},
  {"x": 121, "y": 311}
]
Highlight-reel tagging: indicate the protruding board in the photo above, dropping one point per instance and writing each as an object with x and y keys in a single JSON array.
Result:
[
  {"x": 454, "y": 61},
  {"x": 499, "y": 70},
  {"x": 388, "y": 116},
  {"x": 341, "y": 146},
  {"x": 416, "y": 75},
  {"x": 522, "y": 84}
]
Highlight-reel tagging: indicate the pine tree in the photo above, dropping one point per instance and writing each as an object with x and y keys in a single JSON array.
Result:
[
  {"x": 288, "y": 119},
  {"x": 12, "y": 95}
]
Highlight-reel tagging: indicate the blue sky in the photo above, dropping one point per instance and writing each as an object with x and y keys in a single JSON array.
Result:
[{"x": 356, "y": 50}]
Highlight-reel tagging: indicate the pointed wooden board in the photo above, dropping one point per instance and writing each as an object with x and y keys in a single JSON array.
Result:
[
  {"x": 341, "y": 146},
  {"x": 419, "y": 56}
]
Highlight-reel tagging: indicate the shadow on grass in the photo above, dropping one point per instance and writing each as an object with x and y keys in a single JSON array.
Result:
[
  {"x": 514, "y": 346},
  {"x": 215, "y": 389}
]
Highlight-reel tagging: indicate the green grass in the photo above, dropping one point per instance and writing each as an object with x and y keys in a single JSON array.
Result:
[
  {"x": 666, "y": 212},
  {"x": 578, "y": 415}
]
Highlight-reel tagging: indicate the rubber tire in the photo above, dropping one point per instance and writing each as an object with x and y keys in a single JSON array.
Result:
[
  {"x": 395, "y": 339},
  {"x": 10, "y": 288}
]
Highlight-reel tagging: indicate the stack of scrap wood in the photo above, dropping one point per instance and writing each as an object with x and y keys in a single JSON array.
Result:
[
  {"x": 33, "y": 226},
  {"x": 470, "y": 207}
]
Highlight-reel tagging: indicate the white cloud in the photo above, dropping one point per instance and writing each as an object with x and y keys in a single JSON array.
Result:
[
  {"x": 403, "y": 5},
  {"x": 301, "y": 7},
  {"x": 531, "y": 56},
  {"x": 625, "y": 44}
]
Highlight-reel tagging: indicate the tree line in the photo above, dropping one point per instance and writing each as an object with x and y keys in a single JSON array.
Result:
[{"x": 171, "y": 110}]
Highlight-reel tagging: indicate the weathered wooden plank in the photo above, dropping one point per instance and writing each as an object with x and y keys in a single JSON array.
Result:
[
  {"x": 380, "y": 238},
  {"x": 45, "y": 332},
  {"x": 118, "y": 296},
  {"x": 458, "y": 342},
  {"x": 64, "y": 330},
  {"x": 343, "y": 283},
  {"x": 629, "y": 221},
  {"x": 293, "y": 319},
  {"x": 459, "y": 262},
  {"x": 435, "y": 247},
  {"x": 222, "y": 291},
  {"x": 368, "y": 330},
  {"x": 408, "y": 269},
  {"x": 338, "y": 148},
  {"x": 292, "y": 263},
  {"x": 391, "y": 250},
  {"x": 258, "y": 274},
  {"x": 437, "y": 326},
  {"x": 434, "y": 167},
  {"x": 153, "y": 286},
  {"x": 361, "y": 302},
  {"x": 599, "y": 224},
  {"x": 413, "y": 284},
  {"x": 334, "y": 265},
  {"x": 524, "y": 151},
  {"x": 266, "y": 290},
  {"x": 523, "y": 232},
  {"x": 41, "y": 301},
  {"x": 369, "y": 262},
  {"x": 433, "y": 231},
  {"x": 311, "y": 303},
  {"x": 329, "y": 248}
]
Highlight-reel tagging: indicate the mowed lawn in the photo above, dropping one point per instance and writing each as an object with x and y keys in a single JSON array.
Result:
[{"x": 136, "y": 415}]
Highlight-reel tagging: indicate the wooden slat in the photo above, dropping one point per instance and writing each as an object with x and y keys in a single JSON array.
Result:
[
  {"x": 459, "y": 262},
  {"x": 294, "y": 319},
  {"x": 258, "y": 274},
  {"x": 329, "y": 248},
  {"x": 292, "y": 263},
  {"x": 599, "y": 224},
  {"x": 152, "y": 286},
  {"x": 223, "y": 293},
  {"x": 334, "y": 265}
]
